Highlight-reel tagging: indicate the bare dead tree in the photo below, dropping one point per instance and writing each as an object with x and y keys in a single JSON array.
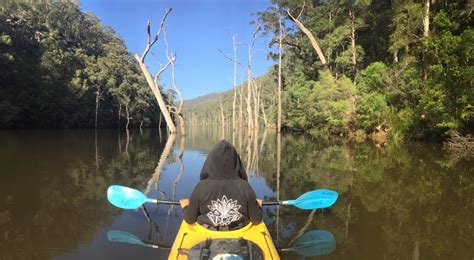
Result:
[
  {"x": 265, "y": 121},
  {"x": 235, "y": 83},
  {"x": 119, "y": 114},
  {"x": 353, "y": 43},
  {"x": 156, "y": 175},
  {"x": 172, "y": 59},
  {"x": 241, "y": 113},
  {"x": 236, "y": 62},
  {"x": 281, "y": 36},
  {"x": 128, "y": 115},
  {"x": 251, "y": 125},
  {"x": 98, "y": 97},
  {"x": 256, "y": 102},
  {"x": 303, "y": 229},
  {"x": 278, "y": 165},
  {"x": 222, "y": 117},
  {"x": 154, "y": 87}
]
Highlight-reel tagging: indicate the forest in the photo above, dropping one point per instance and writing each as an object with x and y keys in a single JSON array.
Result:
[
  {"x": 62, "y": 69},
  {"x": 391, "y": 68}
]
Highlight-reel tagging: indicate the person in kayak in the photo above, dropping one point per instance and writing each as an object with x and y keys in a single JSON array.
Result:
[{"x": 223, "y": 199}]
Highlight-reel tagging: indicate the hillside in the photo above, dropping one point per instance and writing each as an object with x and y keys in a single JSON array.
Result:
[{"x": 206, "y": 108}]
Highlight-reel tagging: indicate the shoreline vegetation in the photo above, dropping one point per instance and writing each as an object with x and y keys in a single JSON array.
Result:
[{"x": 385, "y": 70}]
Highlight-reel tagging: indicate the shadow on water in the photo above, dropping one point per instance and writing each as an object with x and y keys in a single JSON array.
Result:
[{"x": 396, "y": 202}]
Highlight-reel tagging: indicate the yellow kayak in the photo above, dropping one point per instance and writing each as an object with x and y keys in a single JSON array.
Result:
[{"x": 195, "y": 241}]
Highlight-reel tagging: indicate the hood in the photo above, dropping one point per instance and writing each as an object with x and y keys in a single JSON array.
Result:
[{"x": 223, "y": 162}]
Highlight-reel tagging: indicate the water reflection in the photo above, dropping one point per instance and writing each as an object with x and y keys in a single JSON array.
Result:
[
  {"x": 312, "y": 243},
  {"x": 396, "y": 202}
]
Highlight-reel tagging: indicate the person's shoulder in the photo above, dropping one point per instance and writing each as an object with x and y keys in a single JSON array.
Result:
[
  {"x": 200, "y": 184},
  {"x": 242, "y": 182}
]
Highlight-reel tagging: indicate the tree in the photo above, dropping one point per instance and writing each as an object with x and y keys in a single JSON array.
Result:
[{"x": 151, "y": 82}]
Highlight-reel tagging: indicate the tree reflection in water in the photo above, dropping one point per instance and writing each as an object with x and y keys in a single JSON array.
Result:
[{"x": 396, "y": 202}]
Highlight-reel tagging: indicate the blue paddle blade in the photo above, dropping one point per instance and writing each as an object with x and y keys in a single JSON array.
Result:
[
  {"x": 317, "y": 199},
  {"x": 314, "y": 243},
  {"x": 125, "y": 198},
  {"x": 124, "y": 237}
]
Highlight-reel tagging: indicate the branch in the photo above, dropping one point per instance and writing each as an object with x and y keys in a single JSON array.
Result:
[
  {"x": 150, "y": 44},
  {"x": 162, "y": 69},
  {"x": 254, "y": 36},
  {"x": 171, "y": 59},
  {"x": 302, "y": 8},
  {"x": 310, "y": 36},
  {"x": 290, "y": 43},
  {"x": 230, "y": 58}
]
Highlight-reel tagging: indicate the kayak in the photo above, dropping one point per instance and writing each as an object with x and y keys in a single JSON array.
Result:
[{"x": 195, "y": 241}]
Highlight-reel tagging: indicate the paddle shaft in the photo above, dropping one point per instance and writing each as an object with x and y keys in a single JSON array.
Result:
[
  {"x": 170, "y": 202},
  {"x": 274, "y": 203}
]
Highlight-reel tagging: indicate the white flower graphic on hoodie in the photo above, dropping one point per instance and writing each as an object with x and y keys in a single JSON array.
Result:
[{"x": 224, "y": 211}]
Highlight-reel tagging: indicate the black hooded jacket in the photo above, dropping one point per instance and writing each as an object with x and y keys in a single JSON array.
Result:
[{"x": 223, "y": 197}]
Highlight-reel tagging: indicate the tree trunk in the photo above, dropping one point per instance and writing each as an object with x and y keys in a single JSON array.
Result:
[
  {"x": 120, "y": 111},
  {"x": 249, "y": 97},
  {"x": 353, "y": 44},
  {"x": 265, "y": 122},
  {"x": 128, "y": 116},
  {"x": 180, "y": 107},
  {"x": 241, "y": 106},
  {"x": 97, "y": 101},
  {"x": 158, "y": 96},
  {"x": 278, "y": 162},
  {"x": 256, "y": 106},
  {"x": 156, "y": 175},
  {"x": 96, "y": 152},
  {"x": 426, "y": 19},
  {"x": 251, "y": 124},
  {"x": 171, "y": 60},
  {"x": 235, "y": 83},
  {"x": 426, "y": 33},
  {"x": 280, "y": 55},
  {"x": 222, "y": 118},
  {"x": 310, "y": 36},
  {"x": 153, "y": 85},
  {"x": 159, "y": 121}
]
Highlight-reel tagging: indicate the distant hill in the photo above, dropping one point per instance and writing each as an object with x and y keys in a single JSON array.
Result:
[
  {"x": 212, "y": 97},
  {"x": 206, "y": 102},
  {"x": 207, "y": 107}
]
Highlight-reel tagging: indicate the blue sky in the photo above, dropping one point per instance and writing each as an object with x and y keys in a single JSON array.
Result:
[{"x": 196, "y": 30}]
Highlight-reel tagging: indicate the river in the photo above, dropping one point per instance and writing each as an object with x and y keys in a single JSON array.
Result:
[{"x": 398, "y": 201}]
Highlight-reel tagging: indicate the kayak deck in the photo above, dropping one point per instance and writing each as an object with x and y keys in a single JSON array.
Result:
[{"x": 190, "y": 235}]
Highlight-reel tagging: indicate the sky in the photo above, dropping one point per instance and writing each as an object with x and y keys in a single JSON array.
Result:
[{"x": 196, "y": 31}]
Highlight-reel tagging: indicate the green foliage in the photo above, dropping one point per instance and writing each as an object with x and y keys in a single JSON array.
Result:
[
  {"x": 372, "y": 110},
  {"x": 372, "y": 107},
  {"x": 448, "y": 101},
  {"x": 412, "y": 85},
  {"x": 295, "y": 101},
  {"x": 407, "y": 23},
  {"x": 331, "y": 104},
  {"x": 401, "y": 123}
]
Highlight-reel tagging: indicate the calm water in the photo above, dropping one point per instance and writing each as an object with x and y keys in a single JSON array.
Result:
[{"x": 410, "y": 201}]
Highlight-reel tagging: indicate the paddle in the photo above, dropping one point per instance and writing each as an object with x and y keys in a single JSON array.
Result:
[
  {"x": 312, "y": 243},
  {"x": 128, "y": 198},
  {"x": 126, "y": 237}
]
